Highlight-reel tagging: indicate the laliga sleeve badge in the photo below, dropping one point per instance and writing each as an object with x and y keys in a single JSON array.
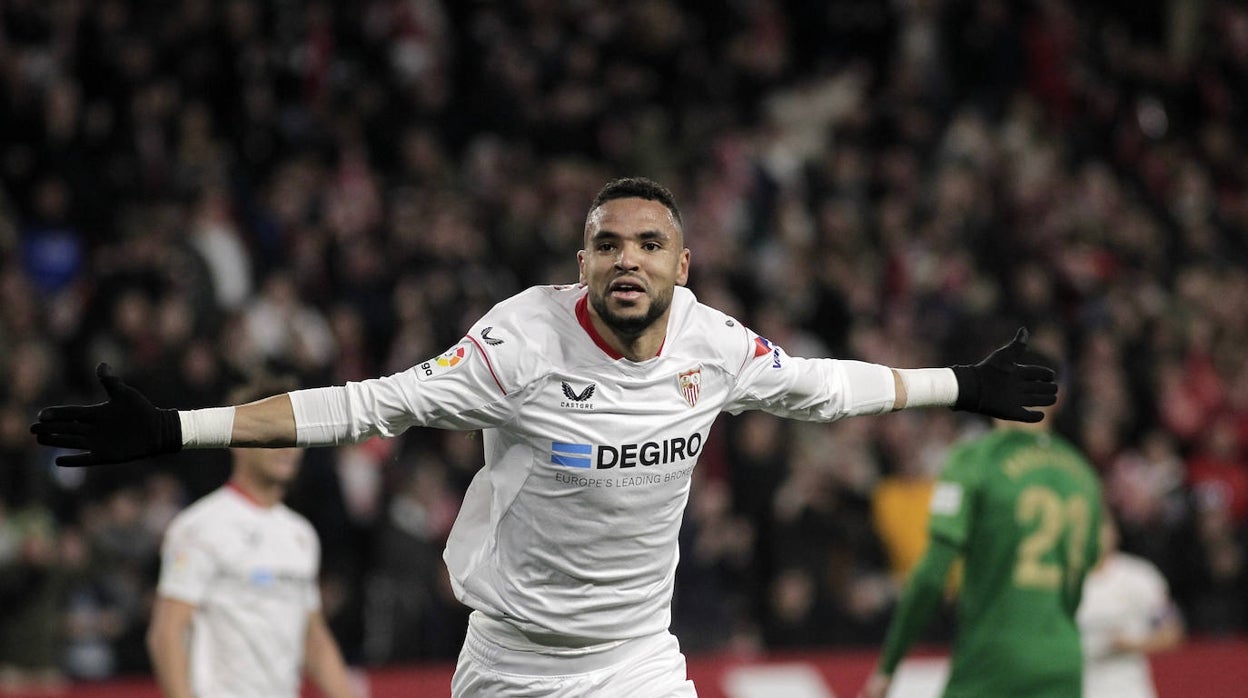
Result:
[
  {"x": 946, "y": 498},
  {"x": 690, "y": 384},
  {"x": 448, "y": 360}
]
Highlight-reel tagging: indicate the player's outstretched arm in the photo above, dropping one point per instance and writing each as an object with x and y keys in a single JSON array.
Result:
[{"x": 127, "y": 426}]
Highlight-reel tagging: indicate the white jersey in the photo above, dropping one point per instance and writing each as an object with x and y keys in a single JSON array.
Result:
[
  {"x": 250, "y": 571},
  {"x": 569, "y": 532},
  {"x": 1124, "y": 597}
]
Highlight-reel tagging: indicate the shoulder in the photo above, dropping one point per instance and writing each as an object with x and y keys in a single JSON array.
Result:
[
  {"x": 201, "y": 518},
  {"x": 547, "y": 298},
  {"x": 522, "y": 336},
  {"x": 534, "y": 317},
  {"x": 294, "y": 519},
  {"x": 965, "y": 463},
  {"x": 1143, "y": 571},
  {"x": 709, "y": 333},
  {"x": 1084, "y": 470},
  {"x": 299, "y": 524},
  {"x": 973, "y": 449}
]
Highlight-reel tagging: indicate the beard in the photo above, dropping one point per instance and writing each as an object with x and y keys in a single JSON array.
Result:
[{"x": 629, "y": 325}]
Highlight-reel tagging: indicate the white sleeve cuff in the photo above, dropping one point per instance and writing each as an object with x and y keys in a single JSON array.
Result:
[
  {"x": 207, "y": 428},
  {"x": 322, "y": 416},
  {"x": 929, "y": 387},
  {"x": 871, "y": 387}
]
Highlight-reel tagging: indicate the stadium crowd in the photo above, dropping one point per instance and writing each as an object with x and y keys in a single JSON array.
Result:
[{"x": 198, "y": 192}]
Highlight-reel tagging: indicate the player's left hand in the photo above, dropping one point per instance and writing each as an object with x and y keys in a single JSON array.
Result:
[
  {"x": 125, "y": 427},
  {"x": 1001, "y": 387}
]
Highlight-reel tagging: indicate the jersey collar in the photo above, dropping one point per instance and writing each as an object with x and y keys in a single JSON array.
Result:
[
  {"x": 582, "y": 317},
  {"x": 233, "y": 486}
]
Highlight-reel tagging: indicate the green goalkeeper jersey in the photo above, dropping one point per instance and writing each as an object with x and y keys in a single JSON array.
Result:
[{"x": 1023, "y": 508}]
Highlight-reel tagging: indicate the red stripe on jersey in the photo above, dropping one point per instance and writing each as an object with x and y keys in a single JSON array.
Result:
[
  {"x": 582, "y": 316},
  {"x": 488, "y": 364},
  {"x": 230, "y": 484}
]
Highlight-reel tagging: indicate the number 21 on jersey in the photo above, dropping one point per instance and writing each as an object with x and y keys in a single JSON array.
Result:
[{"x": 1053, "y": 519}]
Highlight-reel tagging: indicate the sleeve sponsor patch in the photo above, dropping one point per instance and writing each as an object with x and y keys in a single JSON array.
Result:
[
  {"x": 765, "y": 347},
  {"x": 446, "y": 361},
  {"x": 946, "y": 498}
]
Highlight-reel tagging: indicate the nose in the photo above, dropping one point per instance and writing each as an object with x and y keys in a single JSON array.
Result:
[{"x": 626, "y": 260}]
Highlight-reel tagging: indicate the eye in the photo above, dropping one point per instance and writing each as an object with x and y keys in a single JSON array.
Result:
[
  {"x": 604, "y": 247},
  {"x": 651, "y": 247}
]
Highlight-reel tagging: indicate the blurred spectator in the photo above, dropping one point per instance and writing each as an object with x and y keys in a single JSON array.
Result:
[
  {"x": 710, "y": 608},
  {"x": 900, "y": 501},
  {"x": 409, "y": 611},
  {"x": 826, "y": 587},
  {"x": 53, "y": 250},
  {"x": 1147, "y": 494},
  {"x": 32, "y": 583},
  {"x": 124, "y": 555},
  {"x": 1218, "y": 469},
  {"x": 1211, "y": 583},
  {"x": 288, "y": 332}
]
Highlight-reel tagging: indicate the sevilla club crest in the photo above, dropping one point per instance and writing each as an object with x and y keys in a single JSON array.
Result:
[{"x": 690, "y": 384}]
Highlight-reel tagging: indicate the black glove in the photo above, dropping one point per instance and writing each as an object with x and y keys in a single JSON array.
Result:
[
  {"x": 126, "y": 427},
  {"x": 1001, "y": 387}
]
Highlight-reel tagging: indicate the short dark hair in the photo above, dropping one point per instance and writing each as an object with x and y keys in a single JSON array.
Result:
[{"x": 639, "y": 188}]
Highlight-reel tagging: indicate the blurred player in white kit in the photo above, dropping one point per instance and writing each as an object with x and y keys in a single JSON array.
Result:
[
  {"x": 238, "y": 612},
  {"x": 1126, "y": 614},
  {"x": 594, "y": 400}
]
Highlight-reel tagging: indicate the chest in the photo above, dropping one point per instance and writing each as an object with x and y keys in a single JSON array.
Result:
[
  {"x": 1114, "y": 598},
  {"x": 666, "y": 390},
  {"x": 634, "y": 417},
  {"x": 264, "y": 557}
]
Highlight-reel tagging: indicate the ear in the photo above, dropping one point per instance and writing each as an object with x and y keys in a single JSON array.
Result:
[
  {"x": 580, "y": 265},
  {"x": 682, "y": 275}
]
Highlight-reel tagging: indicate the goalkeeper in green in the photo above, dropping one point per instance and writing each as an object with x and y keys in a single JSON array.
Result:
[{"x": 1021, "y": 507}]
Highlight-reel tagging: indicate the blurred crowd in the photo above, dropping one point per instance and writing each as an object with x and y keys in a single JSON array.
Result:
[{"x": 199, "y": 192}]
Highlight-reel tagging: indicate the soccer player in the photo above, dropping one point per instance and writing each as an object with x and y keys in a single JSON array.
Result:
[
  {"x": 595, "y": 401},
  {"x": 238, "y": 610},
  {"x": 1126, "y": 614},
  {"x": 1021, "y": 507}
]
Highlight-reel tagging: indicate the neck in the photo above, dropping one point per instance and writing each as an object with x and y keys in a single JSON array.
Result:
[
  {"x": 641, "y": 347},
  {"x": 263, "y": 493}
]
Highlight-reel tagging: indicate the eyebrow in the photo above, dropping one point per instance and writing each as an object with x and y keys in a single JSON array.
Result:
[{"x": 643, "y": 235}]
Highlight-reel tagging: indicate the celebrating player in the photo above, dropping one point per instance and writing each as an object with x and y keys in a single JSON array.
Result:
[
  {"x": 1021, "y": 507},
  {"x": 595, "y": 401}
]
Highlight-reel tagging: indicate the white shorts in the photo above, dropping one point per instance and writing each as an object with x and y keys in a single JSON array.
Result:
[{"x": 646, "y": 667}]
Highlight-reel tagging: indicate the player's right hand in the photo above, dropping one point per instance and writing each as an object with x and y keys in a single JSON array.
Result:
[
  {"x": 125, "y": 427},
  {"x": 1002, "y": 387}
]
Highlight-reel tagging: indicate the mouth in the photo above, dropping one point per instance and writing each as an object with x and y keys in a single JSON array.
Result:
[{"x": 626, "y": 290}]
